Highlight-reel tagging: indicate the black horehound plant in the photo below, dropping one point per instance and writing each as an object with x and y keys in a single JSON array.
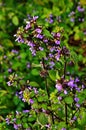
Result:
[{"x": 59, "y": 104}]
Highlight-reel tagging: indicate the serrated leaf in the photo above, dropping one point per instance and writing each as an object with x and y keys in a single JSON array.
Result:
[{"x": 42, "y": 118}]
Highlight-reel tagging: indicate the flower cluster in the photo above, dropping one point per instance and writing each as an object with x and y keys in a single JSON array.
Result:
[
  {"x": 39, "y": 40},
  {"x": 26, "y": 94}
]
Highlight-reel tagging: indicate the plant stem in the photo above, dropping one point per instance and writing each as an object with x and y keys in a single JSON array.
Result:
[
  {"x": 52, "y": 116},
  {"x": 66, "y": 113},
  {"x": 46, "y": 84},
  {"x": 65, "y": 103}
]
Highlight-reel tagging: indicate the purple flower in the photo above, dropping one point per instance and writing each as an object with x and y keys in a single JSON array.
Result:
[
  {"x": 41, "y": 48},
  {"x": 52, "y": 49},
  {"x": 33, "y": 51},
  {"x": 59, "y": 98},
  {"x": 72, "y": 19},
  {"x": 51, "y": 20},
  {"x": 57, "y": 57},
  {"x": 84, "y": 32},
  {"x": 35, "y": 18},
  {"x": 40, "y": 36},
  {"x": 5, "y": 56},
  {"x": 28, "y": 65},
  {"x": 80, "y": 9},
  {"x": 43, "y": 110},
  {"x": 65, "y": 92},
  {"x": 71, "y": 14},
  {"x": 35, "y": 90},
  {"x": 57, "y": 42},
  {"x": 20, "y": 39},
  {"x": 78, "y": 89},
  {"x": 45, "y": 40},
  {"x": 9, "y": 70},
  {"x": 28, "y": 25},
  {"x": 83, "y": 86},
  {"x": 58, "y": 87},
  {"x": 58, "y": 34},
  {"x": 14, "y": 119},
  {"x": 31, "y": 44},
  {"x": 25, "y": 111},
  {"x": 15, "y": 126},
  {"x": 76, "y": 99},
  {"x": 31, "y": 101},
  {"x": 7, "y": 121},
  {"x": 14, "y": 51},
  {"x": 52, "y": 64},
  {"x": 77, "y": 79},
  {"x": 47, "y": 125},
  {"x": 50, "y": 55},
  {"x": 38, "y": 30},
  {"x": 17, "y": 112},
  {"x": 71, "y": 83},
  {"x": 63, "y": 129},
  {"x": 74, "y": 118},
  {"x": 77, "y": 105},
  {"x": 9, "y": 83}
]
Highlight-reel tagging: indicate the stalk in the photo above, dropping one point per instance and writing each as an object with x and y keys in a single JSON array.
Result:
[
  {"x": 46, "y": 84},
  {"x": 66, "y": 121}
]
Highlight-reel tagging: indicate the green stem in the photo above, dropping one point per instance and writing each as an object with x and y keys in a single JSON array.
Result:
[{"x": 52, "y": 116}]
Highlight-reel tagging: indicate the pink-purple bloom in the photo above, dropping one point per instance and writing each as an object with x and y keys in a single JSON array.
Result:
[
  {"x": 80, "y": 9},
  {"x": 58, "y": 87},
  {"x": 31, "y": 101}
]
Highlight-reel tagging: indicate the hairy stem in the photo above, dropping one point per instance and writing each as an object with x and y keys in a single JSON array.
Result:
[{"x": 65, "y": 103}]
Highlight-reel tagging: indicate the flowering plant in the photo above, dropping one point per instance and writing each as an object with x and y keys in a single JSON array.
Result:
[{"x": 56, "y": 102}]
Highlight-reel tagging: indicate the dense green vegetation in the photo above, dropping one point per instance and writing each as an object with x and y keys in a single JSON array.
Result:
[{"x": 42, "y": 65}]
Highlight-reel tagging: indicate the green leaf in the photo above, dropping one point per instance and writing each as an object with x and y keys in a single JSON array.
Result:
[
  {"x": 57, "y": 75},
  {"x": 34, "y": 84},
  {"x": 15, "y": 20},
  {"x": 47, "y": 33},
  {"x": 24, "y": 119},
  {"x": 7, "y": 43},
  {"x": 35, "y": 72},
  {"x": 41, "y": 54},
  {"x": 76, "y": 129},
  {"x": 40, "y": 99},
  {"x": 42, "y": 119},
  {"x": 16, "y": 100},
  {"x": 61, "y": 125},
  {"x": 25, "y": 125},
  {"x": 69, "y": 100},
  {"x": 31, "y": 118},
  {"x": 82, "y": 121},
  {"x": 52, "y": 75}
]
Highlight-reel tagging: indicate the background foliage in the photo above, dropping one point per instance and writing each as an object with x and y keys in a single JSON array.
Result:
[{"x": 22, "y": 69}]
